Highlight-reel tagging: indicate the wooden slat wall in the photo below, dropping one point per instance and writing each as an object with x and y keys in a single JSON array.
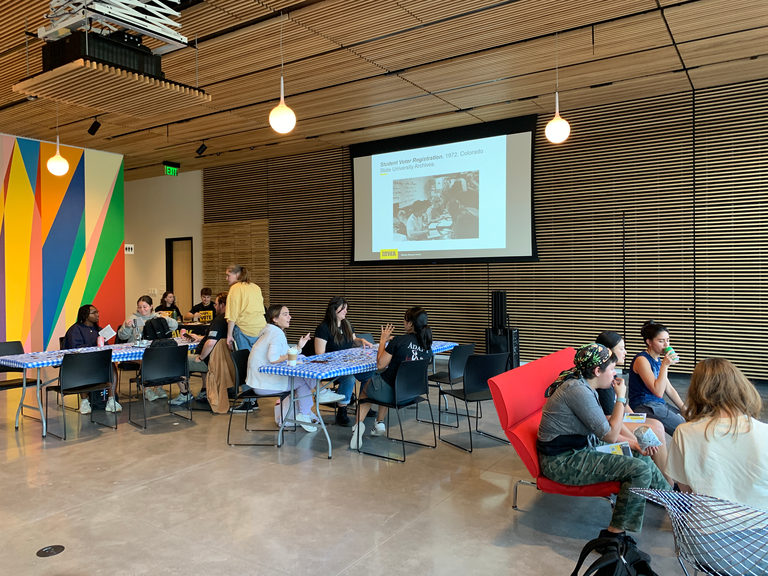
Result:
[{"x": 638, "y": 216}]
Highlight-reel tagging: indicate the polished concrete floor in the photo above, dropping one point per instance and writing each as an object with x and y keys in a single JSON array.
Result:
[{"x": 175, "y": 499}]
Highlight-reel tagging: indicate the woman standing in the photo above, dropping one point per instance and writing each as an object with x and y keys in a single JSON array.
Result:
[
  {"x": 245, "y": 309},
  {"x": 168, "y": 304},
  {"x": 415, "y": 344},
  {"x": 336, "y": 333},
  {"x": 722, "y": 450},
  {"x": 649, "y": 382},
  {"x": 272, "y": 348}
]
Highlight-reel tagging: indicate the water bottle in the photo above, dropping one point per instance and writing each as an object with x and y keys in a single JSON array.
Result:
[{"x": 136, "y": 332}]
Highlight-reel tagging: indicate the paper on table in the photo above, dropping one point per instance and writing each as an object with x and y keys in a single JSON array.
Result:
[
  {"x": 634, "y": 418},
  {"x": 620, "y": 448},
  {"x": 433, "y": 226},
  {"x": 434, "y": 234},
  {"x": 107, "y": 332},
  {"x": 444, "y": 223}
]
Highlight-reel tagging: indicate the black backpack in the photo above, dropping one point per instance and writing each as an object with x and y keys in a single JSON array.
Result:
[
  {"x": 621, "y": 558},
  {"x": 156, "y": 328}
]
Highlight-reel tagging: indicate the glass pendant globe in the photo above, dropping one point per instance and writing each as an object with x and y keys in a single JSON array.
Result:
[
  {"x": 57, "y": 165},
  {"x": 282, "y": 119},
  {"x": 557, "y": 130}
]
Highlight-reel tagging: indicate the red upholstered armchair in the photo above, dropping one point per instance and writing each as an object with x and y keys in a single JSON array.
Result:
[{"x": 519, "y": 397}]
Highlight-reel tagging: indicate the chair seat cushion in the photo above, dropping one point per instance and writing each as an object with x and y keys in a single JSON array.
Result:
[
  {"x": 444, "y": 378},
  {"x": 599, "y": 489},
  {"x": 404, "y": 404},
  {"x": 15, "y": 383},
  {"x": 250, "y": 393},
  {"x": 80, "y": 389},
  {"x": 471, "y": 397},
  {"x": 129, "y": 366}
]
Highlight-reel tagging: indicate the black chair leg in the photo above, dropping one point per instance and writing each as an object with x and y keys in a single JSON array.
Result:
[
  {"x": 63, "y": 417},
  {"x": 469, "y": 426},
  {"x": 229, "y": 428},
  {"x": 486, "y": 434},
  {"x": 444, "y": 398}
]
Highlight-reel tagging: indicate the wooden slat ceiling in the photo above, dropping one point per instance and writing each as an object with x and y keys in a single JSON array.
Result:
[{"x": 360, "y": 70}]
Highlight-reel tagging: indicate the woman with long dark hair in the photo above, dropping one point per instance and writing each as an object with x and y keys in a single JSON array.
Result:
[
  {"x": 415, "y": 344},
  {"x": 334, "y": 333},
  {"x": 649, "y": 381},
  {"x": 168, "y": 304}
]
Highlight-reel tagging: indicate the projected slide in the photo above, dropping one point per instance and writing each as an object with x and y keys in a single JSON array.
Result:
[{"x": 458, "y": 200}]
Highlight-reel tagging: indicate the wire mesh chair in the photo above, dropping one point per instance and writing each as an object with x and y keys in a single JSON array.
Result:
[{"x": 715, "y": 536}]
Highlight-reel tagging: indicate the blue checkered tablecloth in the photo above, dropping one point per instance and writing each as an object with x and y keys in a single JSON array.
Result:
[
  {"x": 120, "y": 353},
  {"x": 339, "y": 363}
]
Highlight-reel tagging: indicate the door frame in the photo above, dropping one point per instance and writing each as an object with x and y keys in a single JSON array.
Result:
[{"x": 169, "y": 263}]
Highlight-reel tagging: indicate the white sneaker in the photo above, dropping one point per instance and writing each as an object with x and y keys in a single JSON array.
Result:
[
  {"x": 357, "y": 435},
  {"x": 160, "y": 392},
  {"x": 325, "y": 396},
  {"x": 85, "y": 406},
  {"x": 378, "y": 429},
  {"x": 308, "y": 419},
  {"x": 182, "y": 399},
  {"x": 150, "y": 395},
  {"x": 113, "y": 405}
]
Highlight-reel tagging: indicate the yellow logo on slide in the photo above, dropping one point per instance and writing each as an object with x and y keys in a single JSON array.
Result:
[{"x": 388, "y": 254}]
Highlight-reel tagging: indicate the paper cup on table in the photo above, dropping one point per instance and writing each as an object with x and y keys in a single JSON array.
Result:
[{"x": 293, "y": 354}]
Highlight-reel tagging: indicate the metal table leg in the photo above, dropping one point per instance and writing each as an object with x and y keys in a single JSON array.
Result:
[
  {"x": 38, "y": 391},
  {"x": 298, "y": 422}
]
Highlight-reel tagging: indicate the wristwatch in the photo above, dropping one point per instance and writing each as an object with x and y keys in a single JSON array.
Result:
[{"x": 622, "y": 400}]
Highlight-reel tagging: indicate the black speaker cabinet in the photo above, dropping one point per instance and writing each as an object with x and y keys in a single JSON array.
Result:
[{"x": 499, "y": 340}]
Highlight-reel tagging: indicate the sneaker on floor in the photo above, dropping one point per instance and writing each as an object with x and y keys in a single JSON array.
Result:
[
  {"x": 379, "y": 429},
  {"x": 150, "y": 394},
  {"x": 243, "y": 407},
  {"x": 160, "y": 393},
  {"x": 113, "y": 405},
  {"x": 357, "y": 435},
  {"x": 325, "y": 396},
  {"x": 342, "y": 418},
  {"x": 202, "y": 396},
  {"x": 85, "y": 406},
  {"x": 182, "y": 399},
  {"x": 308, "y": 419}
]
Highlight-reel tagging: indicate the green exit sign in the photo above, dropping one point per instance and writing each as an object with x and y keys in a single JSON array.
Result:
[{"x": 171, "y": 168}]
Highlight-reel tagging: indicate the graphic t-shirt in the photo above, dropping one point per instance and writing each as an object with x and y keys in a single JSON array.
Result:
[
  {"x": 216, "y": 331},
  {"x": 206, "y": 312},
  {"x": 403, "y": 349},
  {"x": 324, "y": 333},
  {"x": 164, "y": 308}
]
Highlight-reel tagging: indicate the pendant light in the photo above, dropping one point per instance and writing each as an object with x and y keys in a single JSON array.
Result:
[
  {"x": 557, "y": 129},
  {"x": 57, "y": 165},
  {"x": 282, "y": 119}
]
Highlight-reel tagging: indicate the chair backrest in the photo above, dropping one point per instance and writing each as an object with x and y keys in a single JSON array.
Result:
[
  {"x": 309, "y": 347},
  {"x": 240, "y": 360},
  {"x": 86, "y": 369},
  {"x": 11, "y": 349},
  {"x": 61, "y": 342},
  {"x": 519, "y": 393},
  {"x": 478, "y": 369},
  {"x": 458, "y": 359},
  {"x": 164, "y": 363},
  {"x": 367, "y": 336},
  {"x": 411, "y": 379}
]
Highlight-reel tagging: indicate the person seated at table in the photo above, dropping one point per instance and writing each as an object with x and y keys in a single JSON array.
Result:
[
  {"x": 415, "y": 344},
  {"x": 126, "y": 333},
  {"x": 465, "y": 224},
  {"x": 198, "y": 361},
  {"x": 272, "y": 348},
  {"x": 204, "y": 311},
  {"x": 168, "y": 304},
  {"x": 573, "y": 425},
  {"x": 722, "y": 449},
  {"x": 415, "y": 228},
  {"x": 649, "y": 382},
  {"x": 334, "y": 333},
  {"x": 85, "y": 334},
  {"x": 607, "y": 397}
]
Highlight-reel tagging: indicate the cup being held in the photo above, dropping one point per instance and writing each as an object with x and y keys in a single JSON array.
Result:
[
  {"x": 646, "y": 438},
  {"x": 293, "y": 355},
  {"x": 669, "y": 350}
]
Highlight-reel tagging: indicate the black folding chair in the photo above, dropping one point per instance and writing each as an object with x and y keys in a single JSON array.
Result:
[
  {"x": 240, "y": 360},
  {"x": 410, "y": 388},
  {"x": 477, "y": 371},
  {"x": 11, "y": 349},
  {"x": 367, "y": 336},
  {"x": 456, "y": 362},
  {"x": 129, "y": 366},
  {"x": 79, "y": 374},
  {"x": 161, "y": 366}
]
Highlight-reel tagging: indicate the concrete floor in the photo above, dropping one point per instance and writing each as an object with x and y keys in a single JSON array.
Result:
[{"x": 175, "y": 499}]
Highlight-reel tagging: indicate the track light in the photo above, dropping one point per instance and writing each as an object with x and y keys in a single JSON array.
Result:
[
  {"x": 94, "y": 127},
  {"x": 200, "y": 151}
]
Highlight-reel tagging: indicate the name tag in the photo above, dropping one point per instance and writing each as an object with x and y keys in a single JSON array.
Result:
[{"x": 634, "y": 418}]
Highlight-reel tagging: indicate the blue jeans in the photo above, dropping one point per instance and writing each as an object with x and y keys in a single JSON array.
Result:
[
  {"x": 242, "y": 341},
  {"x": 347, "y": 384}
]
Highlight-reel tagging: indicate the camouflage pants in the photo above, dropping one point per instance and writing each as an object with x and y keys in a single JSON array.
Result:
[{"x": 580, "y": 467}]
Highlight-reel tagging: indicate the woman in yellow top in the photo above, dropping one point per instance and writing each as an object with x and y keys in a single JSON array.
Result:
[{"x": 245, "y": 309}]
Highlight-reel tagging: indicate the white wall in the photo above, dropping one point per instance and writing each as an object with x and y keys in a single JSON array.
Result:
[{"x": 156, "y": 209}]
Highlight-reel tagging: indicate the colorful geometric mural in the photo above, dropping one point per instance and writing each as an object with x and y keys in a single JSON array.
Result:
[{"x": 61, "y": 240}]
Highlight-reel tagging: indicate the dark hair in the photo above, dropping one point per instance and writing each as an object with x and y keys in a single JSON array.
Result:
[
  {"x": 651, "y": 329},
  {"x": 341, "y": 333},
  {"x": 241, "y": 271},
  {"x": 273, "y": 312},
  {"x": 205, "y": 292},
  {"x": 609, "y": 339},
  {"x": 166, "y": 294},
  {"x": 418, "y": 317},
  {"x": 83, "y": 312},
  {"x": 144, "y": 298},
  {"x": 221, "y": 297}
]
